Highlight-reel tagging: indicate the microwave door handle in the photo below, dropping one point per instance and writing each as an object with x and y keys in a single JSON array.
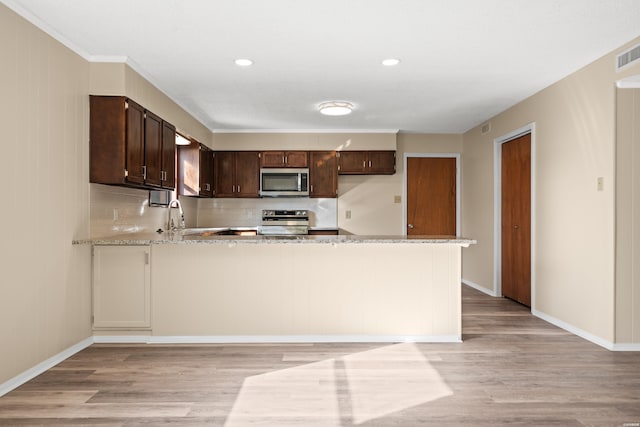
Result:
[{"x": 299, "y": 181}]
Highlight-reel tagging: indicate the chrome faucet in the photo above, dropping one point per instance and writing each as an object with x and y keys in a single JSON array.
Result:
[{"x": 170, "y": 224}]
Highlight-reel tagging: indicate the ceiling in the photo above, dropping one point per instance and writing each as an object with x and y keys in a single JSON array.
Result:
[{"x": 462, "y": 61}]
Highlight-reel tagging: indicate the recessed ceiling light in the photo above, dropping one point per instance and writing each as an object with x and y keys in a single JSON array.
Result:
[
  {"x": 390, "y": 62},
  {"x": 335, "y": 108},
  {"x": 243, "y": 62}
]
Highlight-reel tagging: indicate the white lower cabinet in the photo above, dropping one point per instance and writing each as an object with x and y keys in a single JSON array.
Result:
[{"x": 121, "y": 287}]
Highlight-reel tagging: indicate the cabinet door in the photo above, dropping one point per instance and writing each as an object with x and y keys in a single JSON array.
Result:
[
  {"x": 272, "y": 159},
  {"x": 247, "y": 174},
  {"x": 168, "y": 156},
  {"x": 206, "y": 172},
  {"x": 224, "y": 171},
  {"x": 121, "y": 287},
  {"x": 353, "y": 162},
  {"x": 296, "y": 159},
  {"x": 153, "y": 149},
  {"x": 134, "y": 146},
  {"x": 381, "y": 162},
  {"x": 323, "y": 174}
]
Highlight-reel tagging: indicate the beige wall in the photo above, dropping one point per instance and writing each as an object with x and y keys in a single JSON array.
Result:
[
  {"x": 304, "y": 141},
  {"x": 45, "y": 290},
  {"x": 370, "y": 198},
  {"x": 627, "y": 205},
  {"x": 574, "y": 223}
]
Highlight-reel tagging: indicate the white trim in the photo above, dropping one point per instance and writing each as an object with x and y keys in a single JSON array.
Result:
[
  {"x": 236, "y": 339},
  {"x": 118, "y": 59},
  {"x": 404, "y": 186},
  {"x": 574, "y": 330},
  {"x": 625, "y": 347},
  {"x": 121, "y": 339},
  {"x": 497, "y": 207},
  {"x": 386, "y": 131},
  {"x": 48, "y": 29},
  {"x": 41, "y": 367},
  {"x": 632, "y": 82},
  {"x": 477, "y": 287}
]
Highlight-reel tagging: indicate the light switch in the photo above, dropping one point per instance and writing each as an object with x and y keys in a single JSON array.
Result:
[
  {"x": 115, "y": 214},
  {"x": 397, "y": 199},
  {"x": 347, "y": 214},
  {"x": 600, "y": 183}
]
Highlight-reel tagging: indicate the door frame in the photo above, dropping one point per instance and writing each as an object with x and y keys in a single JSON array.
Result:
[
  {"x": 497, "y": 207},
  {"x": 404, "y": 186}
]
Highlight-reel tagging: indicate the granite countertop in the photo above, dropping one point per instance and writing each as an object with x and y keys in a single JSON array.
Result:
[{"x": 208, "y": 236}]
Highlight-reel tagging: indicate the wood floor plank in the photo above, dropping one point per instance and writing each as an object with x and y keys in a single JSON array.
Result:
[{"x": 512, "y": 369}]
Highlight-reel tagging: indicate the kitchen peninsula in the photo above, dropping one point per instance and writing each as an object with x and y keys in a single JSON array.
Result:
[{"x": 208, "y": 288}]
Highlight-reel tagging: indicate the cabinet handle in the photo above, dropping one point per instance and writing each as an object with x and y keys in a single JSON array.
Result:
[
  {"x": 364, "y": 164},
  {"x": 369, "y": 163},
  {"x": 144, "y": 172},
  {"x": 233, "y": 188},
  {"x": 312, "y": 188},
  {"x": 238, "y": 188}
]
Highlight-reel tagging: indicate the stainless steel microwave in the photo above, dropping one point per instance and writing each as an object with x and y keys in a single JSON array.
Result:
[{"x": 284, "y": 182}]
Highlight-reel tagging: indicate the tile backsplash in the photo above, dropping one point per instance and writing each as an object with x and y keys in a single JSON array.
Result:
[
  {"x": 248, "y": 212},
  {"x": 120, "y": 210}
]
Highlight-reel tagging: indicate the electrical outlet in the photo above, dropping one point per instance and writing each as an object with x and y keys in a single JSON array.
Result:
[
  {"x": 347, "y": 214},
  {"x": 397, "y": 199},
  {"x": 115, "y": 214},
  {"x": 600, "y": 183}
]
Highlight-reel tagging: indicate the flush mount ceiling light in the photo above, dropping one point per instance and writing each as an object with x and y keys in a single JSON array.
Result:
[
  {"x": 243, "y": 62},
  {"x": 390, "y": 62},
  {"x": 335, "y": 108}
]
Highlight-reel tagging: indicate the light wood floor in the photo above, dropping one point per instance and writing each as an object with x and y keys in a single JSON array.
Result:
[{"x": 511, "y": 369}]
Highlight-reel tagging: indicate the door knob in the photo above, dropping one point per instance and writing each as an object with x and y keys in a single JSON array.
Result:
[
  {"x": 516, "y": 226},
  {"x": 409, "y": 225}
]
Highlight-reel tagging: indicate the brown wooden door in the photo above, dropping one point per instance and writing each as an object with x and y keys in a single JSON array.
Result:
[
  {"x": 135, "y": 143},
  {"x": 431, "y": 196},
  {"x": 323, "y": 174},
  {"x": 168, "y": 155},
  {"x": 153, "y": 149},
  {"x": 224, "y": 171},
  {"x": 247, "y": 174},
  {"x": 516, "y": 219}
]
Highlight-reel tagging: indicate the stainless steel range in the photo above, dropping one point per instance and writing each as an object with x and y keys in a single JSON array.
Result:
[{"x": 284, "y": 222}]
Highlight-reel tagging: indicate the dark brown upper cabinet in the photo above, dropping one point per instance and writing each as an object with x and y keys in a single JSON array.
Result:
[
  {"x": 237, "y": 173},
  {"x": 195, "y": 170},
  {"x": 284, "y": 159},
  {"x": 129, "y": 145},
  {"x": 323, "y": 174},
  {"x": 367, "y": 162}
]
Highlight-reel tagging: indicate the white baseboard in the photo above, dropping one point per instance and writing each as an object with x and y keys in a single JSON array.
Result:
[
  {"x": 626, "y": 347},
  {"x": 477, "y": 287},
  {"x": 31, "y": 373},
  {"x": 255, "y": 339},
  {"x": 121, "y": 339},
  {"x": 574, "y": 330}
]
